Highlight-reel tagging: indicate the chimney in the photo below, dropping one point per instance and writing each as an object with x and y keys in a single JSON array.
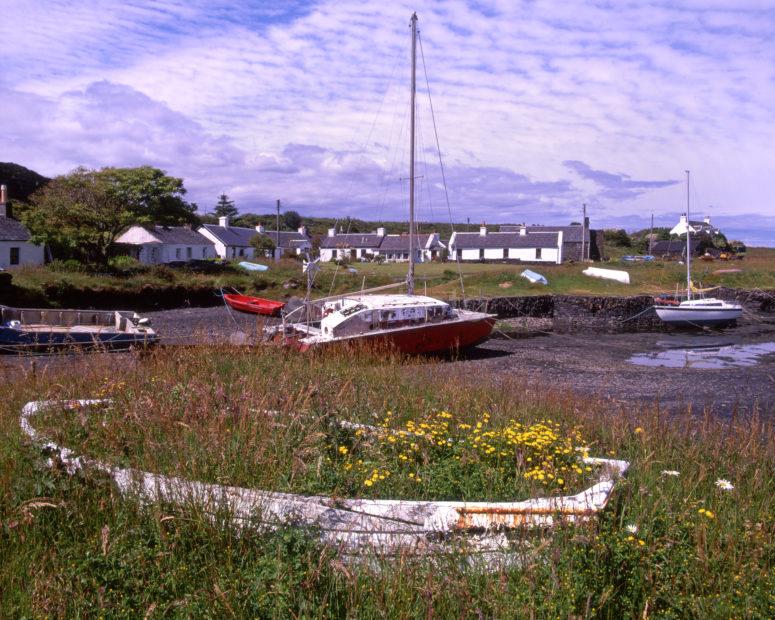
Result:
[
  {"x": 260, "y": 228},
  {"x": 331, "y": 232},
  {"x": 707, "y": 220},
  {"x": 303, "y": 230},
  {"x": 5, "y": 210},
  {"x": 483, "y": 230},
  {"x": 522, "y": 230},
  {"x": 223, "y": 221},
  {"x": 381, "y": 231}
]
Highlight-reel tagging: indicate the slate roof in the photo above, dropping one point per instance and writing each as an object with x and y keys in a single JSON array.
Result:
[
  {"x": 238, "y": 236},
  {"x": 570, "y": 234},
  {"x": 469, "y": 240},
  {"x": 13, "y": 230},
  {"x": 180, "y": 235},
  {"x": 352, "y": 240},
  {"x": 673, "y": 246}
]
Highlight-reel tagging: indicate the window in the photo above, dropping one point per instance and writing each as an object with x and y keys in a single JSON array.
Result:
[
  {"x": 505, "y": 252},
  {"x": 538, "y": 253},
  {"x": 481, "y": 253},
  {"x": 14, "y": 258},
  {"x": 242, "y": 252},
  {"x": 204, "y": 252},
  {"x": 189, "y": 253}
]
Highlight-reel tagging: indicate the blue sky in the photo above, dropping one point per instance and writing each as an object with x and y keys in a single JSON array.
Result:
[{"x": 540, "y": 105}]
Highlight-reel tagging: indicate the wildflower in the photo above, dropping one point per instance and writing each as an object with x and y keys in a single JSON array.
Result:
[
  {"x": 638, "y": 430},
  {"x": 368, "y": 482},
  {"x": 342, "y": 450},
  {"x": 670, "y": 472},
  {"x": 707, "y": 513},
  {"x": 632, "y": 529},
  {"x": 642, "y": 543},
  {"x": 724, "y": 485}
]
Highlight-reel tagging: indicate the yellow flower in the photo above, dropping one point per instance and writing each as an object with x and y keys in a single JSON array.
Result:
[
  {"x": 638, "y": 430},
  {"x": 642, "y": 543},
  {"x": 368, "y": 482},
  {"x": 342, "y": 450}
]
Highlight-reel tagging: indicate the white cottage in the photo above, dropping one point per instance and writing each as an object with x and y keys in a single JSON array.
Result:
[
  {"x": 234, "y": 241},
  {"x": 166, "y": 244},
  {"x": 522, "y": 245},
  {"x": 15, "y": 246},
  {"x": 365, "y": 246}
]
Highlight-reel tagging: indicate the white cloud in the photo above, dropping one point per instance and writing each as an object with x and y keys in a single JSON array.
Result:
[{"x": 224, "y": 94}]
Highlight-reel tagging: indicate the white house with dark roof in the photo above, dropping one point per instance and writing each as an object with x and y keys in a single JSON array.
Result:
[
  {"x": 499, "y": 246},
  {"x": 365, "y": 246},
  {"x": 166, "y": 244},
  {"x": 234, "y": 241},
  {"x": 15, "y": 247}
]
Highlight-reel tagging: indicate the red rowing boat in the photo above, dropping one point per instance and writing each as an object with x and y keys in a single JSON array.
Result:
[{"x": 253, "y": 305}]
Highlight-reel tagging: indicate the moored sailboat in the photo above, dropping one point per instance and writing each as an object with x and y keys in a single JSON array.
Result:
[{"x": 695, "y": 311}]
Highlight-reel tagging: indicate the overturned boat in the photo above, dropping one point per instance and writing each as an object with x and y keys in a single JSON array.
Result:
[{"x": 32, "y": 330}]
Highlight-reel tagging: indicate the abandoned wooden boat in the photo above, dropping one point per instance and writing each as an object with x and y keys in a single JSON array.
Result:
[
  {"x": 695, "y": 311},
  {"x": 253, "y": 305},
  {"x": 408, "y": 323},
  {"x": 486, "y": 534},
  {"x": 35, "y": 330}
]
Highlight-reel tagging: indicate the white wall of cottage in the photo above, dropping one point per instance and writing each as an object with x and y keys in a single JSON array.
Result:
[{"x": 29, "y": 254}]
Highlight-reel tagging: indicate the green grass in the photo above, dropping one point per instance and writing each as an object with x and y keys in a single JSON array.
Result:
[
  {"x": 45, "y": 286},
  {"x": 72, "y": 546}
]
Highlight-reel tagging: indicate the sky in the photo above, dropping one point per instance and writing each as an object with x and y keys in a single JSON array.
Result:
[{"x": 539, "y": 106}]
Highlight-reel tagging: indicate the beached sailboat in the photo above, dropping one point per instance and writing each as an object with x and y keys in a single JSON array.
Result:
[
  {"x": 695, "y": 311},
  {"x": 408, "y": 323}
]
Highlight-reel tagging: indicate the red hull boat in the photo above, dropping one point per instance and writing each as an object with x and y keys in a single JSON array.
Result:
[{"x": 253, "y": 305}]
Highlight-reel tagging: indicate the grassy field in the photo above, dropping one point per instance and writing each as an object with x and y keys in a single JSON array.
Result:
[
  {"x": 666, "y": 546},
  {"x": 143, "y": 285}
]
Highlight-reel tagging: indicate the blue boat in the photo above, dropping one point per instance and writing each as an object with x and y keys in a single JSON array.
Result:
[
  {"x": 34, "y": 330},
  {"x": 252, "y": 266}
]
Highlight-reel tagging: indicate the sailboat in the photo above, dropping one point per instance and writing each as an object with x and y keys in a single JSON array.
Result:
[
  {"x": 695, "y": 311},
  {"x": 407, "y": 323}
]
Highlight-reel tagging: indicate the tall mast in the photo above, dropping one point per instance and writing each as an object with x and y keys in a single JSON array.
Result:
[
  {"x": 688, "y": 244},
  {"x": 410, "y": 275}
]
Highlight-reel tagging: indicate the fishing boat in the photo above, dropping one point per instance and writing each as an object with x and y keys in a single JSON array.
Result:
[
  {"x": 695, "y": 311},
  {"x": 42, "y": 330},
  {"x": 253, "y": 305},
  {"x": 408, "y": 323}
]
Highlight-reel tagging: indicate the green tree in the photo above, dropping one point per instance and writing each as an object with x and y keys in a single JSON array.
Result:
[
  {"x": 79, "y": 215},
  {"x": 225, "y": 207},
  {"x": 263, "y": 244},
  {"x": 292, "y": 220}
]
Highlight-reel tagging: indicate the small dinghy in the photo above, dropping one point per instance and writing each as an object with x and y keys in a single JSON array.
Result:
[
  {"x": 252, "y": 266},
  {"x": 608, "y": 274},
  {"x": 29, "y": 330},
  {"x": 253, "y": 305},
  {"x": 534, "y": 277}
]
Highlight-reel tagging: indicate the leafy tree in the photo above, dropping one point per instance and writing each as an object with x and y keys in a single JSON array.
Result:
[
  {"x": 80, "y": 214},
  {"x": 292, "y": 220},
  {"x": 263, "y": 244},
  {"x": 225, "y": 207},
  {"x": 617, "y": 238}
]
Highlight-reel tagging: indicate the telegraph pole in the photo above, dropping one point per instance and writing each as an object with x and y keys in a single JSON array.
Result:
[{"x": 277, "y": 234}]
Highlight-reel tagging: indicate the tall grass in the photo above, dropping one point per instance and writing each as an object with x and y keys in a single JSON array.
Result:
[{"x": 667, "y": 546}]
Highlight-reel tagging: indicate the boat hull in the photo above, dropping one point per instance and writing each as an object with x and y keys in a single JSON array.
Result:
[
  {"x": 424, "y": 339},
  {"x": 698, "y": 316},
  {"x": 254, "y": 305},
  {"x": 22, "y": 341}
]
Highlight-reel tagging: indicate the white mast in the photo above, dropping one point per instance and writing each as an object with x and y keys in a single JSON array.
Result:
[
  {"x": 688, "y": 244},
  {"x": 410, "y": 275}
]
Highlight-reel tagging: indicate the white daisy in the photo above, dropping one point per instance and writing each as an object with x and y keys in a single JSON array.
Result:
[
  {"x": 724, "y": 485},
  {"x": 669, "y": 472},
  {"x": 632, "y": 529}
]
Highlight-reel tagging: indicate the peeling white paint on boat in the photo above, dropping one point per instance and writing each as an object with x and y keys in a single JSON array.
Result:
[{"x": 480, "y": 530}]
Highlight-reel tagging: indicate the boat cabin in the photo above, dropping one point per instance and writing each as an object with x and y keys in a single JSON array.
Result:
[{"x": 350, "y": 316}]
